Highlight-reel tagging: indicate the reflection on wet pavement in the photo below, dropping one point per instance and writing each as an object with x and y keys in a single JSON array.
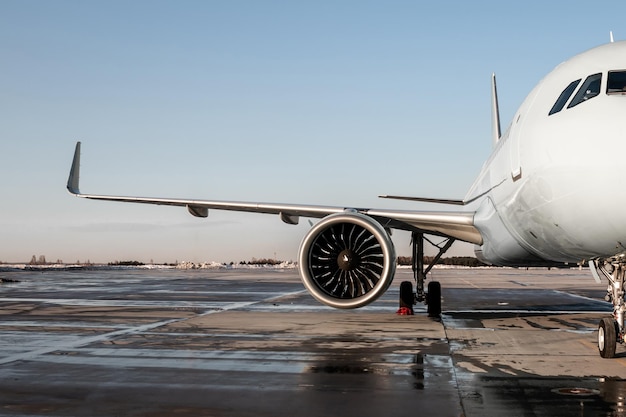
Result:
[{"x": 237, "y": 343}]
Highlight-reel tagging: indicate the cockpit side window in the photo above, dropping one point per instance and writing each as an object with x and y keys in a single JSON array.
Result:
[
  {"x": 589, "y": 89},
  {"x": 565, "y": 95},
  {"x": 616, "y": 82}
]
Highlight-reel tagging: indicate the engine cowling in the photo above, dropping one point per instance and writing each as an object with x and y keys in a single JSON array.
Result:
[{"x": 347, "y": 260}]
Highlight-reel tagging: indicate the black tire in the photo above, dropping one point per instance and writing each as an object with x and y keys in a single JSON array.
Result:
[
  {"x": 407, "y": 298},
  {"x": 607, "y": 337},
  {"x": 433, "y": 299}
]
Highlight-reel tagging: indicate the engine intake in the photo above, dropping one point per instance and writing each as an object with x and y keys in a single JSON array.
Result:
[{"x": 347, "y": 260}]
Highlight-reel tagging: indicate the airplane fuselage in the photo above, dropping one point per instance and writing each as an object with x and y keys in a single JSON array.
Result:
[{"x": 551, "y": 192}]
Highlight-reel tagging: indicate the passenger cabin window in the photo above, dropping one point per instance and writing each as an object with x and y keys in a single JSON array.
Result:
[
  {"x": 565, "y": 95},
  {"x": 616, "y": 83},
  {"x": 589, "y": 89}
]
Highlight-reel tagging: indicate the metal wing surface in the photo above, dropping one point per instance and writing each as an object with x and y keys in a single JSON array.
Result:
[{"x": 458, "y": 225}]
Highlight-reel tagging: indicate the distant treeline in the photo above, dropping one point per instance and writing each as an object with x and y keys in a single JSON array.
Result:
[
  {"x": 126, "y": 263},
  {"x": 262, "y": 261},
  {"x": 401, "y": 260},
  {"x": 454, "y": 260}
]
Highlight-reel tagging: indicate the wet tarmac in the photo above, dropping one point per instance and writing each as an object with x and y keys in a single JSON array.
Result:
[{"x": 254, "y": 343}]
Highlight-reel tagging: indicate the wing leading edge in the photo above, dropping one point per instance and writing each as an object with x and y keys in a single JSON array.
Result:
[{"x": 458, "y": 225}]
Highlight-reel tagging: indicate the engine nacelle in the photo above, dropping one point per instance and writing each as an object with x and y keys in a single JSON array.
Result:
[{"x": 347, "y": 260}]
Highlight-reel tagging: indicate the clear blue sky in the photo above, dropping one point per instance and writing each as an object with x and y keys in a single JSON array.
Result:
[{"x": 324, "y": 102}]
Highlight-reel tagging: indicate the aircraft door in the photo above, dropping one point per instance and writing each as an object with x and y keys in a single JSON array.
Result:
[
  {"x": 516, "y": 135},
  {"x": 514, "y": 139}
]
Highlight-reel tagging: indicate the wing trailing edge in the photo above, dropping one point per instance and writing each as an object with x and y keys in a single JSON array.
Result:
[{"x": 458, "y": 225}]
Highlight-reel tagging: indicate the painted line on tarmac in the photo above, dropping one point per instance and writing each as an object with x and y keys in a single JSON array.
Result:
[
  {"x": 470, "y": 283},
  {"x": 582, "y": 297},
  {"x": 82, "y": 302},
  {"x": 83, "y": 341},
  {"x": 523, "y": 311}
]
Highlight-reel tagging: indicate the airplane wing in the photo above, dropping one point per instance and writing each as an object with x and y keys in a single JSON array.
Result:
[{"x": 457, "y": 225}]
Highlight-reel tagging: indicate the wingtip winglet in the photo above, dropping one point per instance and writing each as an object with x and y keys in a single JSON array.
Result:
[{"x": 73, "y": 179}]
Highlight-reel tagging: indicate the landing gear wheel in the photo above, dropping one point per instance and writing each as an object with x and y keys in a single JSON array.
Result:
[
  {"x": 407, "y": 298},
  {"x": 434, "y": 299},
  {"x": 607, "y": 337}
]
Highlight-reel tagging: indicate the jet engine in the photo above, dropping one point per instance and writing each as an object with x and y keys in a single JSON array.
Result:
[{"x": 347, "y": 260}]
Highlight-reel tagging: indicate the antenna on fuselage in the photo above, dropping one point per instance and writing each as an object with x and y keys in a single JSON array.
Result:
[
  {"x": 495, "y": 111},
  {"x": 611, "y": 36}
]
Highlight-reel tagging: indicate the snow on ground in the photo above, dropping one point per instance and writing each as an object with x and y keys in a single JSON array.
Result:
[{"x": 181, "y": 265}]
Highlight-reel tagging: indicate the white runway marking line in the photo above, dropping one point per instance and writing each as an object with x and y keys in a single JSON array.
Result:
[
  {"x": 523, "y": 311},
  {"x": 584, "y": 298},
  {"x": 82, "y": 341},
  {"x": 130, "y": 303},
  {"x": 471, "y": 284}
]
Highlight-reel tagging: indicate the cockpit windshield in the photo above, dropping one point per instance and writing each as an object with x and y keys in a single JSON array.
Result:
[
  {"x": 589, "y": 89},
  {"x": 565, "y": 95},
  {"x": 616, "y": 82}
]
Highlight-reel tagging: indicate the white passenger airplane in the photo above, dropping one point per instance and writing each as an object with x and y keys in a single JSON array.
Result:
[{"x": 549, "y": 194}]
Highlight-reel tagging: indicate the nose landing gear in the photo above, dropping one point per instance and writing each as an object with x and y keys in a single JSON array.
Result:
[
  {"x": 607, "y": 337},
  {"x": 611, "y": 330}
]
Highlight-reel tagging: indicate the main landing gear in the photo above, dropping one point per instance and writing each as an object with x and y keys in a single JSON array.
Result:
[
  {"x": 432, "y": 297},
  {"x": 611, "y": 330}
]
